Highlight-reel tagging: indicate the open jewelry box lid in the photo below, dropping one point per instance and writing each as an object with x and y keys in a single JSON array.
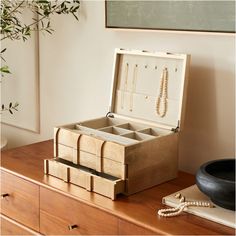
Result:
[{"x": 140, "y": 77}]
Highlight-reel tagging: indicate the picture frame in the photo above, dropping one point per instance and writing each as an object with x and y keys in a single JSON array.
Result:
[
  {"x": 22, "y": 85},
  {"x": 188, "y": 16}
]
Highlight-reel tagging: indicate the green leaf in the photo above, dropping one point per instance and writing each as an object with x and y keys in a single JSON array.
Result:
[
  {"x": 76, "y": 8},
  {"x": 39, "y": 13},
  {"x": 49, "y": 31},
  {"x": 5, "y": 69},
  {"x": 3, "y": 50},
  {"x": 76, "y": 17},
  {"x": 42, "y": 1}
]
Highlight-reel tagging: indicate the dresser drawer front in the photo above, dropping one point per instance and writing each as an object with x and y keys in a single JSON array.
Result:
[
  {"x": 10, "y": 227},
  {"x": 127, "y": 228},
  {"x": 52, "y": 225},
  {"x": 59, "y": 212},
  {"x": 107, "y": 187},
  {"x": 101, "y": 164},
  {"x": 56, "y": 169},
  {"x": 21, "y": 201}
]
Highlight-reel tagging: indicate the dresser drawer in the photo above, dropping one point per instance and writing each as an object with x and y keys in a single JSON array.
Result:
[
  {"x": 10, "y": 227},
  {"x": 52, "y": 225},
  {"x": 127, "y": 228},
  {"x": 61, "y": 215},
  {"x": 20, "y": 200}
]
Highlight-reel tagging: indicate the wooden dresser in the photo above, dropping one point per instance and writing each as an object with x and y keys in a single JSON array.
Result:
[{"x": 33, "y": 203}]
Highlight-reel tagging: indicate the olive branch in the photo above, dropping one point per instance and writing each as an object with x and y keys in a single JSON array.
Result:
[{"x": 12, "y": 27}]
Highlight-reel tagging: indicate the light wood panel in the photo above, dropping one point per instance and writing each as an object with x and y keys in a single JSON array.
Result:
[
  {"x": 22, "y": 204},
  {"x": 152, "y": 160},
  {"x": 105, "y": 185}
]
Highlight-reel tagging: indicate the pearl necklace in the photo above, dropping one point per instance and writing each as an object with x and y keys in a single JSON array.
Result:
[
  {"x": 162, "y": 98},
  {"x": 170, "y": 212}
]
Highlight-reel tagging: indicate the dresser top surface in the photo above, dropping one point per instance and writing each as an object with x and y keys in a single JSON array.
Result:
[{"x": 141, "y": 208}]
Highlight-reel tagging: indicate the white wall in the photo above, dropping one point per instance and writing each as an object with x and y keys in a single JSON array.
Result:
[{"x": 75, "y": 80}]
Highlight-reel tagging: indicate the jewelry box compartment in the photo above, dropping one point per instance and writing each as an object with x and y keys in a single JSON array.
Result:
[
  {"x": 91, "y": 180},
  {"x": 113, "y": 130}
]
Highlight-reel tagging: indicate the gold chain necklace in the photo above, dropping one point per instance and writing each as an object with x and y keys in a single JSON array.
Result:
[
  {"x": 134, "y": 82},
  {"x": 125, "y": 85},
  {"x": 162, "y": 98}
]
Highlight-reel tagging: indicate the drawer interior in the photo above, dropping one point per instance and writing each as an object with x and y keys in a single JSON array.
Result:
[{"x": 90, "y": 179}]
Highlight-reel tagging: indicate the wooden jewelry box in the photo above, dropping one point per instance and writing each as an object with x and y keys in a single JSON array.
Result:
[{"x": 135, "y": 146}]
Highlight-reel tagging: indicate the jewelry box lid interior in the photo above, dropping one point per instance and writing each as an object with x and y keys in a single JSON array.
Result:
[{"x": 150, "y": 87}]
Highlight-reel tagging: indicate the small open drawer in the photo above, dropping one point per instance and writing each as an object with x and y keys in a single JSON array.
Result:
[{"x": 93, "y": 181}]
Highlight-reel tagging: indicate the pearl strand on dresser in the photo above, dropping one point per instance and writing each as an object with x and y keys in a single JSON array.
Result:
[{"x": 170, "y": 212}]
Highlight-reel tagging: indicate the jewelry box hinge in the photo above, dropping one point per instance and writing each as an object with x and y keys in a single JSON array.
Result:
[
  {"x": 110, "y": 115},
  {"x": 175, "y": 130}
]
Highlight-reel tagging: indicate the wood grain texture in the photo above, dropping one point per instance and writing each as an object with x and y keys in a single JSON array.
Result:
[
  {"x": 70, "y": 212},
  {"x": 56, "y": 169},
  {"x": 22, "y": 204},
  {"x": 52, "y": 225},
  {"x": 10, "y": 227},
  {"x": 103, "y": 185},
  {"x": 103, "y": 165},
  {"x": 139, "y": 209},
  {"x": 126, "y": 228},
  {"x": 152, "y": 163},
  {"x": 151, "y": 160}
]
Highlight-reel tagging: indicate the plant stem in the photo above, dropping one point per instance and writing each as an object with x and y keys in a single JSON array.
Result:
[
  {"x": 34, "y": 23},
  {"x": 18, "y": 6}
]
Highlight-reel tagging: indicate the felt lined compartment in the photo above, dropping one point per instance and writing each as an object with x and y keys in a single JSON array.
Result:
[{"x": 117, "y": 130}]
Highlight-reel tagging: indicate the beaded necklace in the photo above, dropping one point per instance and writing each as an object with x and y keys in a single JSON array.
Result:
[
  {"x": 170, "y": 212},
  {"x": 162, "y": 98}
]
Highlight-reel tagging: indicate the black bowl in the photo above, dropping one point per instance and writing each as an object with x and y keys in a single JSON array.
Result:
[{"x": 217, "y": 180}]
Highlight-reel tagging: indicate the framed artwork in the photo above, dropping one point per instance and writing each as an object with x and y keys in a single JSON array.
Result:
[
  {"x": 203, "y": 16},
  {"x": 22, "y": 85}
]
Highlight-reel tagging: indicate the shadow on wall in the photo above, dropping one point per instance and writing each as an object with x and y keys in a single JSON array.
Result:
[{"x": 201, "y": 139}]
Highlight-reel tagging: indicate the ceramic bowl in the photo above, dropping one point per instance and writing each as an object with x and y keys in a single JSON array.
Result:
[{"x": 216, "y": 179}]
